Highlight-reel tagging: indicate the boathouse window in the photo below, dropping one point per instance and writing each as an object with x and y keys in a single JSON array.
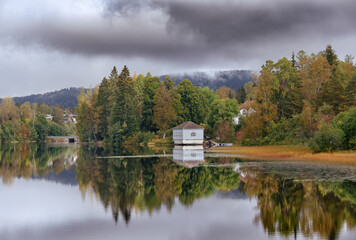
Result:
[{"x": 193, "y": 134}]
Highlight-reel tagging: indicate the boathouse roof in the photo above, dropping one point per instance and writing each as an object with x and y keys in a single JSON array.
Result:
[{"x": 188, "y": 125}]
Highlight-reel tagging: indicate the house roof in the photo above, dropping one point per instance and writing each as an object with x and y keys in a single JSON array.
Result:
[
  {"x": 188, "y": 125},
  {"x": 247, "y": 104}
]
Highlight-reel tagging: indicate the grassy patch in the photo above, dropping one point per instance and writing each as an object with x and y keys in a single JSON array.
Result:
[{"x": 286, "y": 153}]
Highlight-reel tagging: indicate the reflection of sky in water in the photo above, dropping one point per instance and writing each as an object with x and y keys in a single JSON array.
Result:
[
  {"x": 52, "y": 206},
  {"x": 45, "y": 210},
  {"x": 37, "y": 203},
  {"x": 35, "y": 209}
]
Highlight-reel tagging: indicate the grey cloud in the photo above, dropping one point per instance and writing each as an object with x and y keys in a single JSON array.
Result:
[
  {"x": 188, "y": 31},
  {"x": 231, "y": 23},
  {"x": 124, "y": 7}
]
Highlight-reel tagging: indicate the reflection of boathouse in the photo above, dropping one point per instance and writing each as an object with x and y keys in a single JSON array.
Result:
[
  {"x": 188, "y": 133},
  {"x": 188, "y": 156}
]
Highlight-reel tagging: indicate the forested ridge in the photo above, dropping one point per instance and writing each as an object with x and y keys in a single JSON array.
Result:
[
  {"x": 307, "y": 99},
  {"x": 67, "y": 98}
]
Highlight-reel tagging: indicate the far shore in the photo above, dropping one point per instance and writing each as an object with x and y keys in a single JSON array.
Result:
[{"x": 290, "y": 153}]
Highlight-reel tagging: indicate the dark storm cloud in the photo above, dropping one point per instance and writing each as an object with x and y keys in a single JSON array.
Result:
[
  {"x": 187, "y": 30},
  {"x": 233, "y": 23}
]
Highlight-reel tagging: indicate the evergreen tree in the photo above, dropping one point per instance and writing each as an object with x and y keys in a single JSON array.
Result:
[
  {"x": 104, "y": 108},
  {"x": 169, "y": 83},
  {"x": 125, "y": 108},
  {"x": 150, "y": 86},
  {"x": 350, "y": 92},
  {"x": 241, "y": 95}
]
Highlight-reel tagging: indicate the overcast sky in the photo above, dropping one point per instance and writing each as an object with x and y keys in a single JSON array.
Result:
[{"x": 49, "y": 44}]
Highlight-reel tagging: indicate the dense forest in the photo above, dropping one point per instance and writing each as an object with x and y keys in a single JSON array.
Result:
[
  {"x": 308, "y": 99},
  {"x": 125, "y": 109},
  {"x": 34, "y": 122}
]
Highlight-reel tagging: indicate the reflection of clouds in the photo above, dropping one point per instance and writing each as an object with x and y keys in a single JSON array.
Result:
[
  {"x": 40, "y": 204},
  {"x": 206, "y": 219}
]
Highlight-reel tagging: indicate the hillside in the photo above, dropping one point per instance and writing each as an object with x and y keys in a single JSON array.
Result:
[
  {"x": 232, "y": 79},
  {"x": 67, "y": 97}
]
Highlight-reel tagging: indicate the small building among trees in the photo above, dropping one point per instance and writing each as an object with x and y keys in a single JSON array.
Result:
[{"x": 188, "y": 133}]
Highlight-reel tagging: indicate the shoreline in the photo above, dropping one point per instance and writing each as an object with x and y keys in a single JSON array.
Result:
[{"x": 285, "y": 153}]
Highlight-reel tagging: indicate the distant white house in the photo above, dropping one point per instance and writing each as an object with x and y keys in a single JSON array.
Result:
[
  {"x": 245, "y": 110},
  {"x": 49, "y": 117},
  {"x": 188, "y": 133}
]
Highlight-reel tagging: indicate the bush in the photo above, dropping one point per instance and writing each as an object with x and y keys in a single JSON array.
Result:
[
  {"x": 328, "y": 139},
  {"x": 145, "y": 137},
  {"x": 346, "y": 121},
  {"x": 55, "y": 129}
]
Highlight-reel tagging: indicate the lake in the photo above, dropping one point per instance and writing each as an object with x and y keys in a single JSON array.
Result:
[{"x": 88, "y": 192}]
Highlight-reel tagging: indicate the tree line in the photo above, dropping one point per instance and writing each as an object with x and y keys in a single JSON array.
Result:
[
  {"x": 131, "y": 109},
  {"x": 28, "y": 122},
  {"x": 308, "y": 99}
]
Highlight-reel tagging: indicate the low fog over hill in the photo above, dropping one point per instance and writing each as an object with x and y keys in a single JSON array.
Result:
[
  {"x": 232, "y": 79},
  {"x": 67, "y": 97}
]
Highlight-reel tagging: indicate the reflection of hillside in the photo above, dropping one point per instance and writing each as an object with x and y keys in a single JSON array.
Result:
[
  {"x": 287, "y": 206},
  {"x": 35, "y": 161},
  {"x": 67, "y": 177},
  {"x": 148, "y": 184}
]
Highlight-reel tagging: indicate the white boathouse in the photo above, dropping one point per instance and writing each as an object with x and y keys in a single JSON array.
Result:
[{"x": 188, "y": 133}]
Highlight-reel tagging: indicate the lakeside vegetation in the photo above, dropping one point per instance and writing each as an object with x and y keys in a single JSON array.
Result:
[
  {"x": 28, "y": 122},
  {"x": 307, "y": 100},
  {"x": 287, "y": 153}
]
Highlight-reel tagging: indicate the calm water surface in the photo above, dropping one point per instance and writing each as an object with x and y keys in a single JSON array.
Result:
[{"x": 82, "y": 192}]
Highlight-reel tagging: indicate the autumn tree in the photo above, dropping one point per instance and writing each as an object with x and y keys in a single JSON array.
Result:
[
  {"x": 314, "y": 72},
  {"x": 225, "y": 92},
  {"x": 87, "y": 115},
  {"x": 8, "y": 110},
  {"x": 225, "y": 131},
  {"x": 164, "y": 114},
  {"x": 58, "y": 114},
  {"x": 26, "y": 112}
]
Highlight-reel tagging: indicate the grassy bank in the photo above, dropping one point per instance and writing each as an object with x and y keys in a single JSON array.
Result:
[{"x": 293, "y": 153}]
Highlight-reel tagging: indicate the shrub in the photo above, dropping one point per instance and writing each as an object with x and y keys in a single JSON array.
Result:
[
  {"x": 346, "y": 121},
  {"x": 327, "y": 139}
]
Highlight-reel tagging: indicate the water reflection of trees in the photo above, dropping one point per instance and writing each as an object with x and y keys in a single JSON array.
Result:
[
  {"x": 287, "y": 206},
  {"x": 148, "y": 184},
  {"x": 32, "y": 160}
]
